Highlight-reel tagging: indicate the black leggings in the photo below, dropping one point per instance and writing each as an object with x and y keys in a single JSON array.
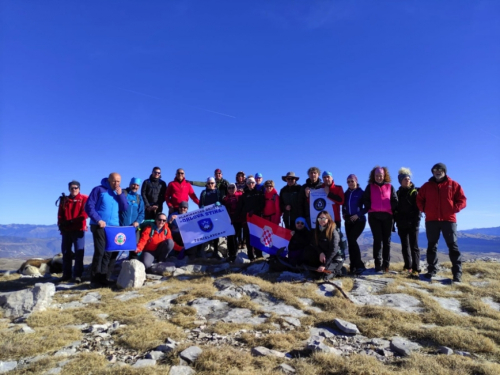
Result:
[
  {"x": 381, "y": 226},
  {"x": 353, "y": 230}
]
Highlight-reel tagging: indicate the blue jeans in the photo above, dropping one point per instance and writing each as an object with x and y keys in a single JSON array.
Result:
[{"x": 72, "y": 239}]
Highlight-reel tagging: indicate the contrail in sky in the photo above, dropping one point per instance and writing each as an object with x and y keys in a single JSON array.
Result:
[{"x": 201, "y": 109}]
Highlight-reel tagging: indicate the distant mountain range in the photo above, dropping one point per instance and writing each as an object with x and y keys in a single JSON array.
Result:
[{"x": 24, "y": 241}]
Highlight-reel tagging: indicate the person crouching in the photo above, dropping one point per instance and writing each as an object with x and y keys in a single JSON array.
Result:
[{"x": 156, "y": 242}]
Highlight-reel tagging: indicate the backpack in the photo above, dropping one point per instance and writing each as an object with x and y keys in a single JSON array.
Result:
[{"x": 150, "y": 223}]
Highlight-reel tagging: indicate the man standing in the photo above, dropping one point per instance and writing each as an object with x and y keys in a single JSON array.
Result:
[
  {"x": 153, "y": 194},
  {"x": 440, "y": 199},
  {"x": 289, "y": 200},
  {"x": 103, "y": 207},
  {"x": 134, "y": 215},
  {"x": 179, "y": 190},
  {"x": 259, "y": 182},
  {"x": 312, "y": 183},
  {"x": 220, "y": 183},
  {"x": 72, "y": 222}
]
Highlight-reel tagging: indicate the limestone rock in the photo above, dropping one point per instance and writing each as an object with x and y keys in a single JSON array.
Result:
[
  {"x": 261, "y": 351},
  {"x": 160, "y": 268},
  {"x": 346, "y": 327},
  {"x": 181, "y": 370},
  {"x": 144, "y": 362},
  {"x": 403, "y": 347},
  {"x": 16, "y": 304},
  {"x": 7, "y": 366},
  {"x": 191, "y": 354},
  {"x": 155, "y": 354},
  {"x": 287, "y": 369},
  {"x": 92, "y": 297},
  {"x": 445, "y": 350},
  {"x": 132, "y": 274}
]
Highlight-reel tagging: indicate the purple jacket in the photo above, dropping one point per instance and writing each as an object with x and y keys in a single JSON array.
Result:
[{"x": 353, "y": 204}]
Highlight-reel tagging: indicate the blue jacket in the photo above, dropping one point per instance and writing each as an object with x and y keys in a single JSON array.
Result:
[
  {"x": 353, "y": 204},
  {"x": 135, "y": 211},
  {"x": 104, "y": 204}
]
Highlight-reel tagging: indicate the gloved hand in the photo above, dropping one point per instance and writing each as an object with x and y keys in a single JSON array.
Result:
[{"x": 217, "y": 204}]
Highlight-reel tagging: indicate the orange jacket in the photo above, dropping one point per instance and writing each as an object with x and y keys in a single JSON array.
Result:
[{"x": 148, "y": 243}]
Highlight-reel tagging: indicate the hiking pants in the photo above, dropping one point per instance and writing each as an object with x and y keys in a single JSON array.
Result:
[
  {"x": 449, "y": 231},
  {"x": 251, "y": 252},
  {"x": 353, "y": 230},
  {"x": 409, "y": 247},
  {"x": 160, "y": 254},
  {"x": 72, "y": 239},
  {"x": 381, "y": 230},
  {"x": 232, "y": 242},
  {"x": 103, "y": 262}
]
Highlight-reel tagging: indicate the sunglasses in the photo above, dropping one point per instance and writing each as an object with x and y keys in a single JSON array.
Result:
[
  {"x": 269, "y": 186},
  {"x": 290, "y": 179},
  {"x": 134, "y": 184},
  {"x": 156, "y": 172},
  {"x": 210, "y": 183},
  {"x": 74, "y": 188},
  {"x": 251, "y": 183},
  {"x": 350, "y": 181},
  {"x": 231, "y": 188},
  {"x": 180, "y": 172},
  {"x": 299, "y": 223},
  {"x": 161, "y": 220},
  {"x": 438, "y": 169},
  {"x": 322, "y": 219}
]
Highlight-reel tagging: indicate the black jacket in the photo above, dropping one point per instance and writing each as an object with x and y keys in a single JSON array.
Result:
[
  {"x": 289, "y": 195},
  {"x": 303, "y": 200},
  {"x": 298, "y": 246},
  {"x": 407, "y": 214},
  {"x": 209, "y": 197},
  {"x": 153, "y": 192},
  {"x": 331, "y": 248},
  {"x": 251, "y": 201}
]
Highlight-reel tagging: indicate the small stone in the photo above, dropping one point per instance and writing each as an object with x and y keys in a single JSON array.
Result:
[
  {"x": 287, "y": 369},
  {"x": 144, "y": 363},
  {"x": 403, "y": 347},
  {"x": 103, "y": 316},
  {"x": 53, "y": 371},
  {"x": 261, "y": 351},
  {"x": 445, "y": 350},
  {"x": 65, "y": 352},
  {"x": 92, "y": 297},
  {"x": 178, "y": 272},
  {"x": 26, "y": 329},
  {"x": 7, "y": 366},
  {"x": 346, "y": 327},
  {"x": 155, "y": 354},
  {"x": 181, "y": 370},
  {"x": 293, "y": 321},
  {"x": 190, "y": 354},
  {"x": 462, "y": 353}
]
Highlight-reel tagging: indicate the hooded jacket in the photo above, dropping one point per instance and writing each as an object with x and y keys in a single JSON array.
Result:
[
  {"x": 104, "y": 204},
  {"x": 135, "y": 211},
  {"x": 289, "y": 196},
  {"x": 441, "y": 201},
  {"x": 353, "y": 204},
  {"x": 178, "y": 191},
  {"x": 336, "y": 195},
  {"x": 251, "y": 201},
  {"x": 331, "y": 248},
  {"x": 209, "y": 197},
  {"x": 71, "y": 215},
  {"x": 272, "y": 211},
  {"x": 407, "y": 214}
]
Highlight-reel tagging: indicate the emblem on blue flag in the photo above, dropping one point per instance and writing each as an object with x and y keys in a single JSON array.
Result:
[
  {"x": 206, "y": 225},
  {"x": 319, "y": 204}
]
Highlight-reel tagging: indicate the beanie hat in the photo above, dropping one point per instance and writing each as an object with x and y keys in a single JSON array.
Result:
[
  {"x": 327, "y": 173},
  {"x": 403, "y": 173},
  {"x": 210, "y": 179},
  {"x": 250, "y": 179},
  {"x": 135, "y": 180},
  {"x": 217, "y": 171},
  {"x": 440, "y": 165},
  {"x": 74, "y": 182},
  {"x": 258, "y": 175},
  {"x": 231, "y": 186},
  {"x": 353, "y": 177},
  {"x": 184, "y": 204}
]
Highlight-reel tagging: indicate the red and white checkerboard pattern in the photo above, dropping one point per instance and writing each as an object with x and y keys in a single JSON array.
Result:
[{"x": 267, "y": 237}]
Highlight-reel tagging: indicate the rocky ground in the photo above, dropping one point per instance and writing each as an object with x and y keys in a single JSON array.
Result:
[{"x": 286, "y": 317}]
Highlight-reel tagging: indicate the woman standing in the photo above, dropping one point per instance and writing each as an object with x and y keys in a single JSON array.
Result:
[
  {"x": 240, "y": 187},
  {"x": 271, "y": 209},
  {"x": 407, "y": 217},
  {"x": 211, "y": 195},
  {"x": 354, "y": 212},
  {"x": 325, "y": 252},
  {"x": 251, "y": 203},
  {"x": 380, "y": 200}
]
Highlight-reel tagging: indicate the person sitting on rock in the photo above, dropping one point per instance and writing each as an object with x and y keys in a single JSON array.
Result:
[
  {"x": 299, "y": 243},
  {"x": 325, "y": 249},
  {"x": 156, "y": 242}
]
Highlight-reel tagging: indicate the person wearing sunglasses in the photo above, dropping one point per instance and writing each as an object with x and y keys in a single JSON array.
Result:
[
  {"x": 156, "y": 242},
  {"x": 325, "y": 248},
  {"x": 179, "y": 190},
  {"x": 230, "y": 201},
  {"x": 72, "y": 223},
  {"x": 289, "y": 200},
  {"x": 240, "y": 181},
  {"x": 153, "y": 194},
  {"x": 312, "y": 183},
  {"x": 354, "y": 212},
  {"x": 220, "y": 183},
  {"x": 251, "y": 203},
  {"x": 299, "y": 243},
  {"x": 381, "y": 201},
  {"x": 271, "y": 209},
  {"x": 211, "y": 195},
  {"x": 441, "y": 198}
]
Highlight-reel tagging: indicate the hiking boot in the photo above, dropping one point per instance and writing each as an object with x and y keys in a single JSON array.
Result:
[
  {"x": 414, "y": 273},
  {"x": 78, "y": 280},
  {"x": 429, "y": 275},
  {"x": 406, "y": 269},
  {"x": 386, "y": 270},
  {"x": 352, "y": 271},
  {"x": 457, "y": 278}
]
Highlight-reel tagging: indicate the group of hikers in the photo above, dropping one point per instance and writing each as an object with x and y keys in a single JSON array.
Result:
[{"x": 158, "y": 234}]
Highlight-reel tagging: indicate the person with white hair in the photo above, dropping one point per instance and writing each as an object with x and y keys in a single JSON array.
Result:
[{"x": 407, "y": 217}]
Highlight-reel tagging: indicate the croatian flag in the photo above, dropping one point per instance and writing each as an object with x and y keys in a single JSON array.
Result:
[
  {"x": 267, "y": 236},
  {"x": 120, "y": 238}
]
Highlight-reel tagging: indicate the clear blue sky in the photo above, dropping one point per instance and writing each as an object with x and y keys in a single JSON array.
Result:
[{"x": 92, "y": 87}]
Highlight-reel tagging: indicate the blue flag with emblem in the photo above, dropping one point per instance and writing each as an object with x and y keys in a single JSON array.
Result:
[{"x": 120, "y": 238}]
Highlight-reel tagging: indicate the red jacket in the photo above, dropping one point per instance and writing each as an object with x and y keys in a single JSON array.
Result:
[
  {"x": 71, "y": 215},
  {"x": 271, "y": 209},
  {"x": 441, "y": 201},
  {"x": 336, "y": 195},
  {"x": 148, "y": 243},
  {"x": 178, "y": 192},
  {"x": 231, "y": 204}
]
